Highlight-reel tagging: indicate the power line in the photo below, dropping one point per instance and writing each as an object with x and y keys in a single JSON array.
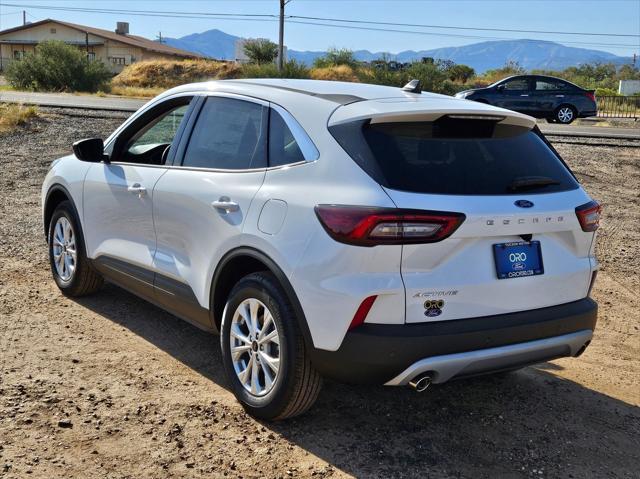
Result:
[
  {"x": 342, "y": 20},
  {"x": 346, "y": 24}
]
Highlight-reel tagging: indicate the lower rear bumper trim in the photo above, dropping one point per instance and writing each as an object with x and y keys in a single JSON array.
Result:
[{"x": 443, "y": 368}]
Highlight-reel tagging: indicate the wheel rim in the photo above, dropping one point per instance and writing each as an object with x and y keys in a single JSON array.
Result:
[
  {"x": 64, "y": 250},
  {"x": 565, "y": 114},
  {"x": 255, "y": 347}
]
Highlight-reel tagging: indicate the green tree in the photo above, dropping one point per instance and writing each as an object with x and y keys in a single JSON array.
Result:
[
  {"x": 335, "y": 57},
  {"x": 460, "y": 73},
  {"x": 55, "y": 66},
  {"x": 260, "y": 50}
]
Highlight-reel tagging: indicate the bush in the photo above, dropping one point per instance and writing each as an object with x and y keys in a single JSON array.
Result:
[
  {"x": 606, "y": 92},
  {"x": 56, "y": 66},
  {"x": 170, "y": 73},
  {"x": 337, "y": 73},
  {"x": 260, "y": 50},
  {"x": 12, "y": 115},
  {"x": 335, "y": 57}
]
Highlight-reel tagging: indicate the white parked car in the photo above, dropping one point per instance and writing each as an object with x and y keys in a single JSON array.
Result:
[{"x": 358, "y": 232}]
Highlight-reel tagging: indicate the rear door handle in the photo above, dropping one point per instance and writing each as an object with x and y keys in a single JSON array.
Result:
[
  {"x": 137, "y": 189},
  {"x": 225, "y": 204},
  {"x": 559, "y": 96},
  {"x": 524, "y": 95}
]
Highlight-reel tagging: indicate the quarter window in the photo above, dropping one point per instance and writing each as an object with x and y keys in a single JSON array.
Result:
[
  {"x": 283, "y": 147},
  {"x": 229, "y": 134}
]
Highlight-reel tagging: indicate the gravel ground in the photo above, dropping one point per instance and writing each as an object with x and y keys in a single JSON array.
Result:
[{"x": 111, "y": 387}]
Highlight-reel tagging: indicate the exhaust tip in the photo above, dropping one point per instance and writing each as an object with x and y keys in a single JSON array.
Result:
[
  {"x": 420, "y": 383},
  {"x": 582, "y": 349}
]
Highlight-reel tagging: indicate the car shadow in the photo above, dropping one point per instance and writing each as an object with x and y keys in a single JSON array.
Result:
[{"x": 526, "y": 423}]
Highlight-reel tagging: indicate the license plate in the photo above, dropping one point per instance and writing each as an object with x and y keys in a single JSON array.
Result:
[{"x": 518, "y": 259}]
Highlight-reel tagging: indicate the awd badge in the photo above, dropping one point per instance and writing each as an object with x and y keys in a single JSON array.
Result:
[{"x": 433, "y": 307}]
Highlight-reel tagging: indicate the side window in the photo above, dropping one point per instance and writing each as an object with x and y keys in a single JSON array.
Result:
[
  {"x": 229, "y": 134},
  {"x": 159, "y": 131},
  {"x": 518, "y": 84},
  {"x": 548, "y": 85},
  {"x": 283, "y": 147}
]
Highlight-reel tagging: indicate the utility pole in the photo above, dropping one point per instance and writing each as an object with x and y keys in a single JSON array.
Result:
[
  {"x": 160, "y": 40},
  {"x": 281, "y": 36},
  {"x": 24, "y": 17}
]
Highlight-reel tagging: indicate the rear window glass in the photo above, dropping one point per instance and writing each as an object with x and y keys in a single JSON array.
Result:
[{"x": 443, "y": 157}]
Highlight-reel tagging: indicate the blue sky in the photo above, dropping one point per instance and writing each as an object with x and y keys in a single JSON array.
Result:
[{"x": 603, "y": 16}]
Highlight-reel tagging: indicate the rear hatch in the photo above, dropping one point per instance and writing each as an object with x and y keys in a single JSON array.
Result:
[{"x": 521, "y": 245}]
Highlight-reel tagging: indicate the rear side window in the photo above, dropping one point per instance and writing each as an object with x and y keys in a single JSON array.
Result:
[
  {"x": 455, "y": 158},
  {"x": 283, "y": 147},
  {"x": 229, "y": 134}
]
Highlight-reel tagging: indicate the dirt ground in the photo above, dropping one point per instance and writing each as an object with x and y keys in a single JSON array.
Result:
[{"x": 112, "y": 387}]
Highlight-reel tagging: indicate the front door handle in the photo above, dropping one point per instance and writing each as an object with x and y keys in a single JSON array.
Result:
[
  {"x": 225, "y": 204},
  {"x": 524, "y": 95},
  {"x": 137, "y": 189}
]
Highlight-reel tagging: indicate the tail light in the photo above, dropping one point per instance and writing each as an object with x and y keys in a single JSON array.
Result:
[
  {"x": 590, "y": 95},
  {"x": 366, "y": 226},
  {"x": 589, "y": 215}
]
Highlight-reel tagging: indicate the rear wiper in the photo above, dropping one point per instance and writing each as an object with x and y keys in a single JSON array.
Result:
[{"x": 525, "y": 182}]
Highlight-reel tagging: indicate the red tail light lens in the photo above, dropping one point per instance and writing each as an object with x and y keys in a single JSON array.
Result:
[
  {"x": 590, "y": 95},
  {"x": 589, "y": 215},
  {"x": 365, "y": 226}
]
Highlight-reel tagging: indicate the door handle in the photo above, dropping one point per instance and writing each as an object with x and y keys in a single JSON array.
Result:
[
  {"x": 524, "y": 95},
  {"x": 137, "y": 189},
  {"x": 225, "y": 204},
  {"x": 559, "y": 96}
]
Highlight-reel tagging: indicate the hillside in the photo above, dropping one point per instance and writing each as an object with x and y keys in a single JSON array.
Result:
[{"x": 531, "y": 54}]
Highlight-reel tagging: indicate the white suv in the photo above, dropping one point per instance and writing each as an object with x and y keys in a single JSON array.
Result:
[{"x": 359, "y": 232}]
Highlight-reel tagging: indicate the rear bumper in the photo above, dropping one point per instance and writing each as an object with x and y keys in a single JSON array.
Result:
[
  {"x": 587, "y": 113},
  {"x": 381, "y": 353}
]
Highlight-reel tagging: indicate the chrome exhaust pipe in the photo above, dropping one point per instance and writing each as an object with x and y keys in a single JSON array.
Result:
[{"x": 420, "y": 383}]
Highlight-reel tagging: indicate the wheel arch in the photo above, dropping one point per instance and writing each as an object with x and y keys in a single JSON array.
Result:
[
  {"x": 240, "y": 262},
  {"x": 56, "y": 194}
]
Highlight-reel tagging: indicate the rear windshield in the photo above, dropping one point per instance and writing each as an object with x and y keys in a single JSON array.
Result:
[{"x": 455, "y": 158}]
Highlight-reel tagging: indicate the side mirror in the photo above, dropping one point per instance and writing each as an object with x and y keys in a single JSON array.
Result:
[{"x": 91, "y": 150}]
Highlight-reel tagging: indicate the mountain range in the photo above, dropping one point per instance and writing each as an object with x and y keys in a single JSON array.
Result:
[{"x": 530, "y": 54}]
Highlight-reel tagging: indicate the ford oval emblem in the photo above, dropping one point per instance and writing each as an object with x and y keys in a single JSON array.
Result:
[{"x": 523, "y": 204}]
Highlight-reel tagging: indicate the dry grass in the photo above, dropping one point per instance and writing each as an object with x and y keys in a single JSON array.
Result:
[
  {"x": 132, "y": 91},
  {"x": 163, "y": 74},
  {"x": 338, "y": 73},
  {"x": 13, "y": 115}
]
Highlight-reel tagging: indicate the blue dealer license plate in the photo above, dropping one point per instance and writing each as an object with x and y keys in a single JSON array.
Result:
[{"x": 518, "y": 259}]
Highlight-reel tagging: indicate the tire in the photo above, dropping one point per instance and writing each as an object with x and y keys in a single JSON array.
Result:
[
  {"x": 296, "y": 384},
  {"x": 565, "y": 114},
  {"x": 76, "y": 277}
]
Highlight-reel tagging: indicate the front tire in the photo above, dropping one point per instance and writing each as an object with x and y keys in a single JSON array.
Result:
[
  {"x": 70, "y": 266},
  {"x": 263, "y": 351}
]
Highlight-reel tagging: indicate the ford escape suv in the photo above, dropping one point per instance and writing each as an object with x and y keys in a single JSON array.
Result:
[{"x": 325, "y": 229}]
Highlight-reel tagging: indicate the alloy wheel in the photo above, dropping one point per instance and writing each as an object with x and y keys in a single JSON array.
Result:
[
  {"x": 65, "y": 255},
  {"x": 255, "y": 347},
  {"x": 565, "y": 114}
]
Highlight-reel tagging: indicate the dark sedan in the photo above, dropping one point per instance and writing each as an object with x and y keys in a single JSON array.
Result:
[{"x": 539, "y": 96}]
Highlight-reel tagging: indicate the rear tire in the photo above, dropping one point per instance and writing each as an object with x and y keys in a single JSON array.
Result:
[
  {"x": 565, "y": 114},
  {"x": 70, "y": 266},
  {"x": 271, "y": 394}
]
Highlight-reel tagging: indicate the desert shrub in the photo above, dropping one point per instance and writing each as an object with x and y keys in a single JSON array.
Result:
[
  {"x": 12, "y": 115},
  {"x": 335, "y": 57},
  {"x": 510, "y": 68},
  {"x": 379, "y": 75},
  {"x": 606, "y": 92},
  {"x": 338, "y": 73},
  {"x": 55, "y": 66},
  {"x": 260, "y": 50},
  {"x": 170, "y": 73}
]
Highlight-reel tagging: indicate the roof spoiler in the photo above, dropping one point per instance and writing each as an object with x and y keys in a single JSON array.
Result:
[{"x": 413, "y": 86}]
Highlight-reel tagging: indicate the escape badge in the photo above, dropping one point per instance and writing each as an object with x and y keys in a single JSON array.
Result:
[{"x": 433, "y": 307}]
